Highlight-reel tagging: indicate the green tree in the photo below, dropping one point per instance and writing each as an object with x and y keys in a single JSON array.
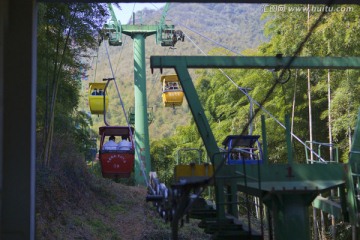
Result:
[{"x": 66, "y": 34}]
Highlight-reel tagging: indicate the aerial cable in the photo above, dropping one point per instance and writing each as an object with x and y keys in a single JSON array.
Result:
[
  {"x": 298, "y": 50},
  {"x": 118, "y": 92},
  {"x": 260, "y": 105},
  {"x": 194, "y": 44},
  {"x": 153, "y": 18},
  {"x": 126, "y": 118},
  {"x": 211, "y": 40},
  {"x": 266, "y": 111},
  {"x": 96, "y": 62},
  {"x": 153, "y": 86},
  {"x": 208, "y": 181},
  {"x": 233, "y": 51},
  {"x": 157, "y": 74},
  {"x": 212, "y": 178},
  {"x": 132, "y": 14},
  {"x": 294, "y": 102},
  {"x": 133, "y": 8},
  {"x": 155, "y": 6},
  {"x": 118, "y": 61}
]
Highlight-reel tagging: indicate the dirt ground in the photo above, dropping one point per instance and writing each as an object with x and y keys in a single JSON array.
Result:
[{"x": 74, "y": 204}]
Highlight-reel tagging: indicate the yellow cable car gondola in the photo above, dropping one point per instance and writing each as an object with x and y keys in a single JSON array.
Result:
[
  {"x": 172, "y": 93},
  {"x": 96, "y": 98}
]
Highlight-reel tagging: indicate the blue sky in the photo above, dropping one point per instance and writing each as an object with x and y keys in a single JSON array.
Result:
[{"x": 127, "y": 9}]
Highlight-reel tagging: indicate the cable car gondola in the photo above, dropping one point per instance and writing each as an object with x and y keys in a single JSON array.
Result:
[
  {"x": 113, "y": 33},
  {"x": 172, "y": 93},
  {"x": 243, "y": 149},
  {"x": 168, "y": 37},
  {"x": 96, "y": 98},
  {"x": 112, "y": 30},
  {"x": 116, "y": 162}
]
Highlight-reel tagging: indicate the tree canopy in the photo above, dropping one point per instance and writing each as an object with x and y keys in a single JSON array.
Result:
[
  {"x": 66, "y": 35},
  {"x": 227, "y": 108}
]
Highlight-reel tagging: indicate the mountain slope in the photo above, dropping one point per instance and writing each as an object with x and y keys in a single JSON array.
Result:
[
  {"x": 75, "y": 203},
  {"x": 234, "y": 27}
]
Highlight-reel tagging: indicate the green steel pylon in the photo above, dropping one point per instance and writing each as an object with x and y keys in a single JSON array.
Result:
[
  {"x": 142, "y": 145},
  {"x": 142, "y": 152}
]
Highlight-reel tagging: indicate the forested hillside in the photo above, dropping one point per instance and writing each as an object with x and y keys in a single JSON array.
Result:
[
  {"x": 236, "y": 29},
  {"x": 329, "y": 95},
  {"x": 71, "y": 202},
  {"x": 207, "y": 26},
  {"x": 322, "y": 104}
]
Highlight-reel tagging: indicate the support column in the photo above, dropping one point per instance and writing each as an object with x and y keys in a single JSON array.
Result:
[
  {"x": 142, "y": 153},
  {"x": 17, "y": 118},
  {"x": 291, "y": 216}
]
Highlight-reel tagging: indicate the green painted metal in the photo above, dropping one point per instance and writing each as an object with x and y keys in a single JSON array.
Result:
[
  {"x": 294, "y": 177},
  {"x": 161, "y": 25},
  {"x": 113, "y": 29},
  {"x": 145, "y": 30},
  {"x": 286, "y": 189},
  {"x": 288, "y": 140},
  {"x": 204, "y": 130},
  {"x": 142, "y": 153},
  {"x": 150, "y": 114},
  {"x": 321, "y": 146},
  {"x": 197, "y": 110},
  {"x": 163, "y": 15},
  {"x": 329, "y": 206},
  {"x": 334, "y": 205},
  {"x": 354, "y": 158},
  {"x": 264, "y": 140},
  {"x": 353, "y": 174},
  {"x": 255, "y": 62},
  {"x": 291, "y": 216},
  {"x": 164, "y": 35}
]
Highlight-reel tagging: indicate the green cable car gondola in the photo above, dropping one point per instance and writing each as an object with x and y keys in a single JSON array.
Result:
[{"x": 112, "y": 29}]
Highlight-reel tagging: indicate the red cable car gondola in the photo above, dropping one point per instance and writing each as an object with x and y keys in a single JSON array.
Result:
[{"x": 116, "y": 162}]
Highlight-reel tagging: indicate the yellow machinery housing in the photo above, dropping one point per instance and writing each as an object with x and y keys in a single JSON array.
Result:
[
  {"x": 172, "y": 93},
  {"x": 193, "y": 171},
  {"x": 96, "y": 98}
]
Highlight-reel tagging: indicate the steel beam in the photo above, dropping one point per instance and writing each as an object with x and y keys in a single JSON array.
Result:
[
  {"x": 255, "y": 62},
  {"x": 142, "y": 153},
  {"x": 142, "y": 144},
  {"x": 287, "y": 189}
]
